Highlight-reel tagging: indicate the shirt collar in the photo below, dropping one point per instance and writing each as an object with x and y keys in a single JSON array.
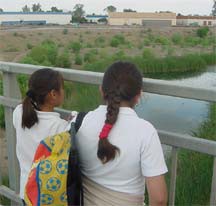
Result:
[{"x": 42, "y": 114}]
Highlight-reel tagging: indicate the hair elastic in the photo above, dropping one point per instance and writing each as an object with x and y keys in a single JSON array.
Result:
[
  {"x": 105, "y": 131},
  {"x": 30, "y": 94}
]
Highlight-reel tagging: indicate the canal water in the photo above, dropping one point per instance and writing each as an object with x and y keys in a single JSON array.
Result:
[{"x": 178, "y": 114}]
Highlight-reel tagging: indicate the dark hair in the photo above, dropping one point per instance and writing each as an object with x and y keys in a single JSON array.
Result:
[
  {"x": 40, "y": 84},
  {"x": 122, "y": 81}
]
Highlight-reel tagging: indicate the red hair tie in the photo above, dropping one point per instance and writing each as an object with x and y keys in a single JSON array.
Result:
[{"x": 105, "y": 131}]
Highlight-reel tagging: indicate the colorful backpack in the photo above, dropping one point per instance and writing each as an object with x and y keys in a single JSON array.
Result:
[{"x": 55, "y": 177}]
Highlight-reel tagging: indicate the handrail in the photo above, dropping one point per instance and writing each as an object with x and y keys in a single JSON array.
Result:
[
  {"x": 12, "y": 97},
  {"x": 183, "y": 141},
  {"x": 162, "y": 87}
]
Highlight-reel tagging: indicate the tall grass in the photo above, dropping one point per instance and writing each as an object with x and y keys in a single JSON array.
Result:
[
  {"x": 4, "y": 200},
  {"x": 195, "y": 170},
  {"x": 150, "y": 64}
]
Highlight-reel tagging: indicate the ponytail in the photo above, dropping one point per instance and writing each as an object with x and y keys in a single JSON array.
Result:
[
  {"x": 29, "y": 115},
  {"x": 40, "y": 84},
  {"x": 107, "y": 151}
]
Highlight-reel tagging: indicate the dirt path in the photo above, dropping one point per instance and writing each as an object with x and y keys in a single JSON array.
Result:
[{"x": 18, "y": 57}]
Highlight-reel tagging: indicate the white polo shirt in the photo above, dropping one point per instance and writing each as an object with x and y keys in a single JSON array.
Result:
[
  {"x": 49, "y": 124},
  {"x": 140, "y": 156}
]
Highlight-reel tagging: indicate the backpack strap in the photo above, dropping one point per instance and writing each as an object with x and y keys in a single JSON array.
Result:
[
  {"x": 75, "y": 127},
  {"x": 79, "y": 120}
]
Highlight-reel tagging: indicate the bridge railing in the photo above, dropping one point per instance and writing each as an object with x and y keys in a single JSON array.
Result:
[{"x": 11, "y": 97}]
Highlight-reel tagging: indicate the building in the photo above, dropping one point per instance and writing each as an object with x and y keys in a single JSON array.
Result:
[
  {"x": 142, "y": 18},
  {"x": 196, "y": 20},
  {"x": 34, "y": 18},
  {"x": 95, "y": 18}
]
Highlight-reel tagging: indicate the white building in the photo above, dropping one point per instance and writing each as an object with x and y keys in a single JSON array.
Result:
[
  {"x": 142, "y": 18},
  {"x": 196, "y": 20},
  {"x": 16, "y": 18}
]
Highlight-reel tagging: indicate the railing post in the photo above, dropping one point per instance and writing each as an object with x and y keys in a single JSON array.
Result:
[
  {"x": 172, "y": 188},
  {"x": 11, "y": 89},
  {"x": 213, "y": 186}
]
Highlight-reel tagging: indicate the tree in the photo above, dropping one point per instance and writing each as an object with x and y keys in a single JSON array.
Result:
[
  {"x": 36, "y": 7},
  {"x": 55, "y": 9},
  {"x": 128, "y": 10},
  {"x": 110, "y": 9},
  {"x": 78, "y": 14},
  {"x": 1, "y": 10},
  {"x": 26, "y": 9},
  {"x": 102, "y": 20},
  {"x": 214, "y": 8}
]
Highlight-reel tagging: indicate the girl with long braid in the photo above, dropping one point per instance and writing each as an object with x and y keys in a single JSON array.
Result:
[{"x": 120, "y": 152}]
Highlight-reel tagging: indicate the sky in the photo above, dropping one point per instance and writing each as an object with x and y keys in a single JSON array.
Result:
[{"x": 185, "y": 7}]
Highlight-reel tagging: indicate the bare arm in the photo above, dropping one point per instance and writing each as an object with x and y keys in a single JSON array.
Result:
[{"x": 157, "y": 190}]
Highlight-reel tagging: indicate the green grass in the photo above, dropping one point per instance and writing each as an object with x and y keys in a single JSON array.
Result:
[
  {"x": 152, "y": 65},
  {"x": 4, "y": 200},
  {"x": 195, "y": 169}
]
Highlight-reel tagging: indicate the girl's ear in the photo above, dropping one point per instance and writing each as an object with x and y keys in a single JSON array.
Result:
[
  {"x": 101, "y": 91},
  {"x": 52, "y": 94}
]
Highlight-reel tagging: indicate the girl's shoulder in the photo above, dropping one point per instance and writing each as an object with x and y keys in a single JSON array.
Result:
[
  {"x": 146, "y": 126},
  {"x": 17, "y": 111},
  {"x": 17, "y": 114},
  {"x": 18, "y": 108}
]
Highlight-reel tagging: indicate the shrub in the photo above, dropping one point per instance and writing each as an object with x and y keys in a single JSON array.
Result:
[
  {"x": 192, "y": 41},
  {"x": 202, "y": 32},
  {"x": 162, "y": 40},
  {"x": 63, "y": 60},
  {"x": 100, "y": 41},
  {"x": 148, "y": 54},
  {"x": 120, "y": 38},
  {"x": 38, "y": 54},
  {"x": 44, "y": 54},
  {"x": 78, "y": 60},
  {"x": 75, "y": 46},
  {"x": 89, "y": 57},
  {"x": 177, "y": 38},
  {"x": 65, "y": 31},
  {"x": 117, "y": 40},
  {"x": 51, "y": 50},
  {"x": 29, "y": 46},
  {"x": 114, "y": 42},
  {"x": 146, "y": 42},
  {"x": 28, "y": 60},
  {"x": 89, "y": 45}
]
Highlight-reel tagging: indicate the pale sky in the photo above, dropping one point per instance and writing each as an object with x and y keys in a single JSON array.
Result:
[{"x": 201, "y": 7}]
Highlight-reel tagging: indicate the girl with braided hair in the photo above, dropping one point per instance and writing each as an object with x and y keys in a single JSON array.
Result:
[{"x": 120, "y": 152}]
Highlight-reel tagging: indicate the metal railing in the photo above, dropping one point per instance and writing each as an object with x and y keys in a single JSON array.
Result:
[{"x": 177, "y": 141}]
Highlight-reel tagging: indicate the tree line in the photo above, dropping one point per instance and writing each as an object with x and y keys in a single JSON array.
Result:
[{"x": 78, "y": 12}]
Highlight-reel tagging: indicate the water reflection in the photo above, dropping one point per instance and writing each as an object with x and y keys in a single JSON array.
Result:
[{"x": 178, "y": 114}]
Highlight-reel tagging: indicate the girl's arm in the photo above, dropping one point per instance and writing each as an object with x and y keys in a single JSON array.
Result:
[{"x": 157, "y": 190}]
